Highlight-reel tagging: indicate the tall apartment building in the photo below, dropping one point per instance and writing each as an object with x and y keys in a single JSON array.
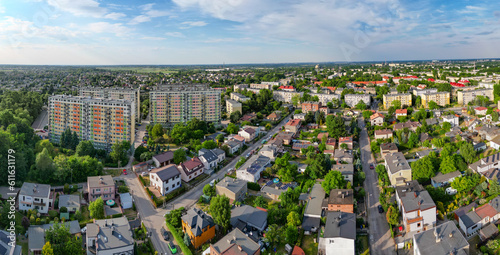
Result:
[
  {"x": 233, "y": 106},
  {"x": 404, "y": 98},
  {"x": 285, "y": 96},
  {"x": 419, "y": 92},
  {"x": 464, "y": 97},
  {"x": 325, "y": 98},
  {"x": 353, "y": 99},
  {"x": 171, "y": 104},
  {"x": 104, "y": 122},
  {"x": 239, "y": 97},
  {"x": 441, "y": 98},
  {"x": 115, "y": 93},
  {"x": 262, "y": 85}
]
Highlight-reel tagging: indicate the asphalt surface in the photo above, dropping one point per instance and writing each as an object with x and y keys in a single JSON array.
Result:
[
  {"x": 42, "y": 120},
  {"x": 379, "y": 233}
]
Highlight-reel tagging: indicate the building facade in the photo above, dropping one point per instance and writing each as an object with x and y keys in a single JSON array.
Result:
[
  {"x": 404, "y": 98},
  {"x": 129, "y": 94},
  {"x": 101, "y": 186},
  {"x": 233, "y": 106},
  {"x": 440, "y": 98},
  {"x": 285, "y": 96},
  {"x": 353, "y": 99},
  {"x": 34, "y": 196},
  {"x": 464, "y": 97},
  {"x": 165, "y": 179},
  {"x": 239, "y": 97},
  {"x": 325, "y": 98}
]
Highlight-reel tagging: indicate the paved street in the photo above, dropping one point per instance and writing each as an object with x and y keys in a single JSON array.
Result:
[
  {"x": 153, "y": 218},
  {"x": 42, "y": 120},
  {"x": 379, "y": 234}
]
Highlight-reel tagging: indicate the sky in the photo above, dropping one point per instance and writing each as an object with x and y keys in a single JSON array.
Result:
[{"x": 180, "y": 32}]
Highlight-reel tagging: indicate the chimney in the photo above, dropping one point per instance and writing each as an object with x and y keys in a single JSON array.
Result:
[
  {"x": 451, "y": 234},
  {"x": 415, "y": 193},
  {"x": 106, "y": 223},
  {"x": 239, "y": 248}
]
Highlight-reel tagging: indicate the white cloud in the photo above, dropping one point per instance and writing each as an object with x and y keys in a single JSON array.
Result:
[
  {"x": 82, "y": 8},
  {"x": 16, "y": 31},
  {"x": 139, "y": 19},
  {"x": 190, "y": 24},
  {"x": 153, "y": 38},
  {"x": 114, "y": 15},
  {"x": 105, "y": 27},
  {"x": 175, "y": 34},
  {"x": 2, "y": 9}
]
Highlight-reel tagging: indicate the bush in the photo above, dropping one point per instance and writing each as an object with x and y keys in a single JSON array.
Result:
[
  {"x": 179, "y": 240},
  {"x": 123, "y": 189},
  {"x": 53, "y": 214},
  {"x": 253, "y": 186},
  {"x": 117, "y": 215},
  {"x": 66, "y": 188},
  {"x": 63, "y": 209}
]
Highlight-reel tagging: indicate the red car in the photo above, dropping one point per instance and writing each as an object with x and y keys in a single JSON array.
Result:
[
  {"x": 124, "y": 171},
  {"x": 371, "y": 166}
]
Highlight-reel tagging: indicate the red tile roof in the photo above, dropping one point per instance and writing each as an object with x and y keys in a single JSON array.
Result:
[
  {"x": 463, "y": 81},
  {"x": 399, "y": 111},
  {"x": 345, "y": 139},
  {"x": 193, "y": 163},
  {"x": 376, "y": 115},
  {"x": 480, "y": 108},
  {"x": 294, "y": 122},
  {"x": 318, "y": 82},
  {"x": 298, "y": 251},
  {"x": 430, "y": 79},
  {"x": 286, "y": 87},
  {"x": 368, "y": 82},
  {"x": 454, "y": 84},
  {"x": 486, "y": 210}
]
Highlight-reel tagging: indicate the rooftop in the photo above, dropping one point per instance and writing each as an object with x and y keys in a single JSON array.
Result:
[
  {"x": 166, "y": 172},
  {"x": 232, "y": 184},
  {"x": 340, "y": 224},
  {"x": 110, "y": 233},
  {"x": 396, "y": 162},
  {"x": 249, "y": 215},
  {"x": 343, "y": 168},
  {"x": 231, "y": 243},
  {"x": 450, "y": 239},
  {"x": 414, "y": 197},
  {"x": 164, "y": 157},
  {"x": 69, "y": 201},
  {"x": 315, "y": 200},
  {"x": 198, "y": 221},
  {"x": 100, "y": 181},
  {"x": 445, "y": 177},
  {"x": 341, "y": 197},
  {"x": 35, "y": 190}
]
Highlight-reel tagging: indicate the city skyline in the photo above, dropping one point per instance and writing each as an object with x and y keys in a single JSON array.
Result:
[{"x": 90, "y": 32}]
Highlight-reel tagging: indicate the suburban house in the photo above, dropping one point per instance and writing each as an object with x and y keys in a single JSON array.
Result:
[
  {"x": 388, "y": 148},
  {"x": 314, "y": 209},
  {"x": 199, "y": 226},
  {"x": 346, "y": 140},
  {"x": 110, "y": 236},
  {"x": 443, "y": 239},
  {"x": 398, "y": 169},
  {"x": 208, "y": 158},
  {"x": 293, "y": 126},
  {"x": 343, "y": 156},
  {"x": 163, "y": 159},
  {"x": 250, "y": 170},
  {"x": 221, "y": 155},
  {"x": 190, "y": 169},
  {"x": 248, "y": 133},
  {"x": 165, "y": 179},
  {"x": 382, "y": 134},
  {"x": 452, "y": 119},
  {"x": 341, "y": 200},
  {"x": 71, "y": 202},
  {"x": 274, "y": 116},
  {"x": 495, "y": 143},
  {"x": 479, "y": 217},
  {"x": 347, "y": 171},
  {"x": 480, "y": 110},
  {"x": 401, "y": 113},
  {"x": 377, "y": 119},
  {"x": 330, "y": 144},
  {"x": 140, "y": 167},
  {"x": 248, "y": 217},
  {"x": 34, "y": 196},
  {"x": 416, "y": 206},
  {"x": 234, "y": 189},
  {"x": 411, "y": 125},
  {"x": 6, "y": 247},
  {"x": 273, "y": 192},
  {"x": 270, "y": 151},
  {"x": 36, "y": 235},
  {"x": 441, "y": 180},
  {"x": 101, "y": 186},
  {"x": 487, "y": 163},
  {"x": 236, "y": 242},
  {"x": 339, "y": 235},
  {"x": 283, "y": 138},
  {"x": 234, "y": 146}
]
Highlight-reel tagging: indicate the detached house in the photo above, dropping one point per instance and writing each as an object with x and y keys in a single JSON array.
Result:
[
  {"x": 479, "y": 217},
  {"x": 199, "y": 226},
  {"x": 190, "y": 169},
  {"x": 234, "y": 146},
  {"x": 416, "y": 206},
  {"x": 341, "y": 200},
  {"x": 208, "y": 158},
  {"x": 377, "y": 119},
  {"x": 340, "y": 234},
  {"x": 101, "y": 186},
  {"x": 35, "y": 196},
  {"x": 347, "y": 171},
  {"x": 401, "y": 112},
  {"x": 163, "y": 159},
  {"x": 346, "y": 140},
  {"x": 248, "y": 133},
  {"x": 398, "y": 169},
  {"x": 236, "y": 242},
  {"x": 443, "y": 239},
  {"x": 234, "y": 189},
  {"x": 293, "y": 126},
  {"x": 383, "y": 134},
  {"x": 111, "y": 236},
  {"x": 388, "y": 148},
  {"x": 166, "y": 179}
]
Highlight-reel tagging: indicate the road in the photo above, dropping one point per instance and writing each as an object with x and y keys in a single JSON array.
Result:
[
  {"x": 153, "y": 218},
  {"x": 380, "y": 236},
  {"x": 42, "y": 120}
]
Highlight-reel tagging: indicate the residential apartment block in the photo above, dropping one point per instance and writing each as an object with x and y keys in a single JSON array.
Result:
[
  {"x": 233, "y": 106},
  {"x": 325, "y": 98},
  {"x": 404, "y": 98},
  {"x": 101, "y": 186},
  {"x": 440, "y": 98},
  {"x": 353, "y": 99},
  {"x": 285, "y": 96},
  {"x": 129, "y": 94},
  {"x": 104, "y": 122},
  {"x": 239, "y": 97},
  {"x": 419, "y": 92},
  {"x": 464, "y": 97},
  {"x": 310, "y": 106},
  {"x": 35, "y": 196},
  {"x": 264, "y": 85},
  {"x": 171, "y": 104}
]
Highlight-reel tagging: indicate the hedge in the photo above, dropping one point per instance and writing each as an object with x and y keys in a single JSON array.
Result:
[
  {"x": 253, "y": 186},
  {"x": 179, "y": 240}
]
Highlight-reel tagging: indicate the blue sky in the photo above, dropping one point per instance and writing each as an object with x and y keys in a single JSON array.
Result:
[{"x": 111, "y": 32}]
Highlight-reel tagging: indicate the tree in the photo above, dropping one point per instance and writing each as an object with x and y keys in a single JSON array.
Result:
[
  {"x": 494, "y": 116},
  {"x": 157, "y": 131},
  {"x": 433, "y": 105},
  {"x": 396, "y": 104},
  {"x": 333, "y": 180},
  {"x": 296, "y": 100},
  {"x": 447, "y": 126},
  {"x": 208, "y": 190},
  {"x": 367, "y": 114},
  {"x": 179, "y": 156},
  {"x": 96, "y": 209},
  {"x": 268, "y": 126},
  {"x": 219, "y": 138},
  {"x": 220, "y": 209},
  {"x": 403, "y": 88},
  {"x": 329, "y": 105},
  {"x": 291, "y": 235},
  {"x": 25, "y": 222},
  {"x": 344, "y": 146},
  {"x": 466, "y": 183},
  {"x": 413, "y": 140},
  {"x": 335, "y": 126},
  {"x": 44, "y": 166},
  {"x": 360, "y": 105},
  {"x": 232, "y": 128},
  {"x": 447, "y": 165},
  {"x": 85, "y": 148},
  {"x": 293, "y": 219},
  {"x": 187, "y": 240},
  {"x": 47, "y": 249},
  {"x": 494, "y": 187},
  {"x": 392, "y": 215},
  {"x": 138, "y": 152},
  {"x": 235, "y": 116},
  {"x": 467, "y": 151},
  {"x": 119, "y": 152},
  {"x": 260, "y": 202},
  {"x": 174, "y": 217},
  {"x": 209, "y": 144},
  {"x": 40, "y": 145},
  {"x": 62, "y": 241},
  {"x": 273, "y": 234},
  {"x": 423, "y": 169}
]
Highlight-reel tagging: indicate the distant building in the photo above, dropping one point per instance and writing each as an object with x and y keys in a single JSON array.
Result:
[
  {"x": 401, "y": 112},
  {"x": 452, "y": 119},
  {"x": 377, "y": 119},
  {"x": 353, "y": 99},
  {"x": 101, "y": 186},
  {"x": 382, "y": 134},
  {"x": 285, "y": 96},
  {"x": 311, "y": 106},
  {"x": 325, "y": 98},
  {"x": 404, "y": 98},
  {"x": 110, "y": 236},
  {"x": 129, "y": 94},
  {"x": 233, "y": 106},
  {"x": 440, "y": 98},
  {"x": 239, "y": 97},
  {"x": 464, "y": 97},
  {"x": 248, "y": 133},
  {"x": 480, "y": 110},
  {"x": 293, "y": 126},
  {"x": 419, "y": 92}
]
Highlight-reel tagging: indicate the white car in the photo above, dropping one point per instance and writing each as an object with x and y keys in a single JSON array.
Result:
[{"x": 84, "y": 230}]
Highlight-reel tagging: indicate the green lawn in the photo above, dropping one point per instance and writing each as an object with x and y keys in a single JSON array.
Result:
[
  {"x": 113, "y": 172},
  {"x": 362, "y": 245},
  {"x": 473, "y": 242},
  {"x": 24, "y": 246},
  {"x": 309, "y": 246}
]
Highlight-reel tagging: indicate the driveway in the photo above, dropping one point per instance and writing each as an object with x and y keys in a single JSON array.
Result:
[{"x": 379, "y": 233}]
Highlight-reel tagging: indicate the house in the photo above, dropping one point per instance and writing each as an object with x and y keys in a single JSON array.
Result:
[
  {"x": 474, "y": 220},
  {"x": 190, "y": 169},
  {"x": 482, "y": 146},
  {"x": 249, "y": 117},
  {"x": 293, "y": 126},
  {"x": 199, "y": 226},
  {"x": 250, "y": 170},
  {"x": 487, "y": 232},
  {"x": 36, "y": 235},
  {"x": 299, "y": 116},
  {"x": 341, "y": 200},
  {"x": 346, "y": 140},
  {"x": 383, "y": 134},
  {"x": 463, "y": 210},
  {"x": 270, "y": 151},
  {"x": 470, "y": 223},
  {"x": 34, "y": 196},
  {"x": 452, "y": 119},
  {"x": 401, "y": 113},
  {"x": 321, "y": 135},
  {"x": 411, "y": 125},
  {"x": 339, "y": 235},
  {"x": 398, "y": 169},
  {"x": 234, "y": 146},
  {"x": 431, "y": 121},
  {"x": 234, "y": 189},
  {"x": 273, "y": 193},
  {"x": 236, "y": 242},
  {"x": 343, "y": 156},
  {"x": 495, "y": 143},
  {"x": 330, "y": 144},
  {"x": 208, "y": 158},
  {"x": 330, "y": 153},
  {"x": 314, "y": 210},
  {"x": 140, "y": 167},
  {"x": 388, "y": 148},
  {"x": 284, "y": 138},
  {"x": 347, "y": 171},
  {"x": 246, "y": 216},
  {"x": 274, "y": 116},
  {"x": 443, "y": 239},
  {"x": 238, "y": 138},
  {"x": 101, "y": 186},
  {"x": 165, "y": 179},
  {"x": 111, "y": 236},
  {"x": 71, "y": 202},
  {"x": 416, "y": 206},
  {"x": 377, "y": 119},
  {"x": 163, "y": 159},
  {"x": 310, "y": 106},
  {"x": 221, "y": 155},
  {"x": 485, "y": 164},
  {"x": 480, "y": 110},
  {"x": 441, "y": 180},
  {"x": 248, "y": 133},
  {"x": 6, "y": 247}
]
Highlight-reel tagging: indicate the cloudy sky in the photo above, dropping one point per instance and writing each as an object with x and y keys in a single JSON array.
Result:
[{"x": 119, "y": 32}]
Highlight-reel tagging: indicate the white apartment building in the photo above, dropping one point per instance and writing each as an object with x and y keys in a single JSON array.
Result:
[
  {"x": 353, "y": 99},
  {"x": 464, "y": 97},
  {"x": 239, "y": 97},
  {"x": 325, "y": 98},
  {"x": 285, "y": 96},
  {"x": 233, "y": 106}
]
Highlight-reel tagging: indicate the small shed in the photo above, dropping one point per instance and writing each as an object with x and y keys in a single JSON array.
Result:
[{"x": 126, "y": 200}]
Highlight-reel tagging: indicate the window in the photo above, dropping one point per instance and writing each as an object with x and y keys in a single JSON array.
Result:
[{"x": 418, "y": 225}]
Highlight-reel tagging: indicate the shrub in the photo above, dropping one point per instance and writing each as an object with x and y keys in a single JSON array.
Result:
[
  {"x": 63, "y": 209},
  {"x": 53, "y": 214},
  {"x": 179, "y": 240},
  {"x": 253, "y": 186},
  {"x": 66, "y": 188}
]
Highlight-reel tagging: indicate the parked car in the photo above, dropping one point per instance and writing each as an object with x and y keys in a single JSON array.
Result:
[
  {"x": 172, "y": 248},
  {"x": 164, "y": 233},
  {"x": 372, "y": 166},
  {"x": 125, "y": 171},
  {"x": 380, "y": 209}
]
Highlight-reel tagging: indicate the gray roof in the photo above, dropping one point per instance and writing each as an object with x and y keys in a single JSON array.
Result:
[
  {"x": 426, "y": 241},
  {"x": 464, "y": 209},
  {"x": 249, "y": 215},
  {"x": 256, "y": 162},
  {"x": 495, "y": 203},
  {"x": 341, "y": 197},
  {"x": 36, "y": 237},
  {"x": 273, "y": 191},
  {"x": 345, "y": 169},
  {"x": 208, "y": 155},
  {"x": 396, "y": 162},
  {"x": 470, "y": 218},
  {"x": 232, "y": 143},
  {"x": 111, "y": 233},
  {"x": 485, "y": 161},
  {"x": 166, "y": 172},
  {"x": 198, "y": 220},
  {"x": 488, "y": 231},
  {"x": 342, "y": 154},
  {"x": 308, "y": 223},
  {"x": 164, "y": 157},
  {"x": 35, "y": 190},
  {"x": 340, "y": 224},
  {"x": 445, "y": 177},
  {"x": 218, "y": 151},
  {"x": 69, "y": 201},
  {"x": 414, "y": 197},
  {"x": 315, "y": 200},
  {"x": 234, "y": 239},
  {"x": 232, "y": 184},
  {"x": 73, "y": 226},
  {"x": 389, "y": 146},
  {"x": 5, "y": 248},
  {"x": 431, "y": 121},
  {"x": 94, "y": 181}
]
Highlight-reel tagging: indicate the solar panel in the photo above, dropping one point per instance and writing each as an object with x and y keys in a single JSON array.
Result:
[{"x": 269, "y": 183}]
